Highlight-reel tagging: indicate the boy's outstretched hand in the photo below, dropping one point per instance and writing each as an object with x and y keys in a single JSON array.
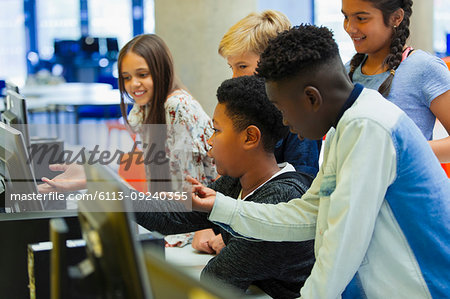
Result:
[
  {"x": 73, "y": 178},
  {"x": 202, "y": 197}
]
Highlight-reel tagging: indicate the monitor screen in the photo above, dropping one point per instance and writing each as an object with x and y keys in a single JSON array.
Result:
[
  {"x": 112, "y": 44},
  {"x": 66, "y": 48},
  {"x": 90, "y": 44},
  {"x": 16, "y": 114},
  {"x": 2, "y": 86},
  {"x": 15, "y": 169},
  {"x": 109, "y": 234}
]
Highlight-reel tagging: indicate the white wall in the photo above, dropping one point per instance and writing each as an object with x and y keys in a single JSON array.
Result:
[
  {"x": 192, "y": 30},
  {"x": 421, "y": 26}
]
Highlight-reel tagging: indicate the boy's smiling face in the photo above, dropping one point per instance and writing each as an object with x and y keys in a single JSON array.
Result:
[{"x": 226, "y": 143}]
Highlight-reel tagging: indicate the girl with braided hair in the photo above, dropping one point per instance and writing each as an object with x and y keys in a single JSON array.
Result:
[{"x": 414, "y": 80}]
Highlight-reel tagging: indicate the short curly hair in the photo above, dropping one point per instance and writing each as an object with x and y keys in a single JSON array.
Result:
[
  {"x": 247, "y": 104},
  {"x": 302, "y": 48}
]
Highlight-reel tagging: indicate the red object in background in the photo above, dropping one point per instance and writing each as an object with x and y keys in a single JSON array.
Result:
[
  {"x": 133, "y": 173},
  {"x": 447, "y": 61},
  {"x": 446, "y": 167}
]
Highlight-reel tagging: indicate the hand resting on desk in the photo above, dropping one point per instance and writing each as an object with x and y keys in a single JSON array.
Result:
[
  {"x": 201, "y": 239},
  {"x": 216, "y": 243},
  {"x": 207, "y": 241}
]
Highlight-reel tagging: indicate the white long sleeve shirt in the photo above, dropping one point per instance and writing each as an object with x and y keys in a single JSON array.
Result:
[{"x": 379, "y": 210}]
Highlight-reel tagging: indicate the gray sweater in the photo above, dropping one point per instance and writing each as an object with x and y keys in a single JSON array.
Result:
[{"x": 278, "y": 268}]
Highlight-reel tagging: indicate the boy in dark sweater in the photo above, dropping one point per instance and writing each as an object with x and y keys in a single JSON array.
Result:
[{"x": 247, "y": 126}]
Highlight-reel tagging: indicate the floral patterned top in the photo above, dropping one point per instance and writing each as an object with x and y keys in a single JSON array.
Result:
[
  {"x": 188, "y": 130},
  {"x": 183, "y": 111}
]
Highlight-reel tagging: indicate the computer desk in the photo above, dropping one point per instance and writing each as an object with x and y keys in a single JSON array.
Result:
[
  {"x": 56, "y": 98},
  {"x": 69, "y": 94},
  {"x": 37, "y": 91},
  {"x": 32, "y": 105},
  {"x": 193, "y": 262},
  {"x": 187, "y": 258}
]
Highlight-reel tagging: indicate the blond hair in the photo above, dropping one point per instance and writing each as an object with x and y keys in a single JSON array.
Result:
[{"x": 252, "y": 33}]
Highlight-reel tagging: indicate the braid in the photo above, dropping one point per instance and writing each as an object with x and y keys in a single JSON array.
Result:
[
  {"x": 354, "y": 63},
  {"x": 398, "y": 41}
]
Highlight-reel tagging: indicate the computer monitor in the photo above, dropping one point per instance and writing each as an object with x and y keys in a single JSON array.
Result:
[
  {"x": 120, "y": 263},
  {"x": 112, "y": 45},
  {"x": 89, "y": 44},
  {"x": 16, "y": 170},
  {"x": 9, "y": 85},
  {"x": 66, "y": 48},
  {"x": 17, "y": 230},
  {"x": 6, "y": 85},
  {"x": 16, "y": 114},
  {"x": 111, "y": 248}
]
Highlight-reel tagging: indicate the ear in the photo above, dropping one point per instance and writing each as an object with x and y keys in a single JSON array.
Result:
[
  {"x": 314, "y": 97},
  {"x": 397, "y": 17},
  {"x": 252, "y": 136}
]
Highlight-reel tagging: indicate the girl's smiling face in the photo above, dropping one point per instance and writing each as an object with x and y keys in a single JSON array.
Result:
[
  {"x": 365, "y": 25},
  {"x": 136, "y": 77}
]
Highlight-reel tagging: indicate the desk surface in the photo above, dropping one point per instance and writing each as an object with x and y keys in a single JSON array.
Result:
[
  {"x": 63, "y": 89},
  {"x": 192, "y": 262},
  {"x": 75, "y": 94},
  {"x": 69, "y": 94},
  {"x": 93, "y": 97},
  {"x": 32, "y": 104},
  {"x": 188, "y": 258}
]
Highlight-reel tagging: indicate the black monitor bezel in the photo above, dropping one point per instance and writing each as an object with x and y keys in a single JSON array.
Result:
[
  {"x": 16, "y": 169},
  {"x": 16, "y": 114}
]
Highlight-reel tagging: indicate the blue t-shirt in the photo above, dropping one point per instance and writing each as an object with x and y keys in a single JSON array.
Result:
[
  {"x": 419, "y": 79},
  {"x": 302, "y": 154}
]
